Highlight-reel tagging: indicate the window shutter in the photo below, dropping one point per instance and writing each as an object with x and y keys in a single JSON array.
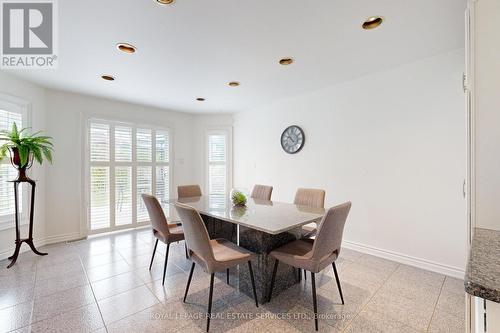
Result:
[
  {"x": 144, "y": 145},
  {"x": 123, "y": 195},
  {"x": 99, "y": 142},
  {"x": 99, "y": 198},
  {"x": 144, "y": 185},
  {"x": 123, "y": 144},
  {"x": 7, "y": 171},
  {"x": 217, "y": 168}
]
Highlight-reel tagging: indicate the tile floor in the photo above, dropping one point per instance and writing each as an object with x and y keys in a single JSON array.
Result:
[{"x": 103, "y": 285}]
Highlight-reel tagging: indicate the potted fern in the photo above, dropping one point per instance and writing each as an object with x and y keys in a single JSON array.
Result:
[{"x": 24, "y": 148}]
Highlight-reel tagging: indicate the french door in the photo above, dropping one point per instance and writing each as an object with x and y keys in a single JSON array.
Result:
[{"x": 125, "y": 161}]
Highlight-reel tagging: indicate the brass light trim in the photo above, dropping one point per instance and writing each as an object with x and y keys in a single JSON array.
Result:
[
  {"x": 126, "y": 48},
  {"x": 200, "y": 99},
  {"x": 234, "y": 84},
  {"x": 107, "y": 77},
  {"x": 165, "y": 2},
  {"x": 372, "y": 22},
  {"x": 286, "y": 61}
]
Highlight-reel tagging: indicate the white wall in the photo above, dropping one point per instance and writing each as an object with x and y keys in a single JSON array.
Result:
[
  {"x": 487, "y": 115},
  {"x": 10, "y": 85},
  {"x": 66, "y": 117},
  {"x": 393, "y": 143}
]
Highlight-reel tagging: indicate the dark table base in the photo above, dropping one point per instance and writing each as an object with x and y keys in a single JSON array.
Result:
[{"x": 261, "y": 244}]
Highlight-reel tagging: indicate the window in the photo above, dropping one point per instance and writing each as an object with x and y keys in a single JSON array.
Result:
[
  {"x": 9, "y": 114},
  {"x": 125, "y": 162},
  {"x": 218, "y": 166}
]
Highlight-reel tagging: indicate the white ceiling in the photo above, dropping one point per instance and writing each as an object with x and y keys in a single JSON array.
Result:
[{"x": 194, "y": 48}]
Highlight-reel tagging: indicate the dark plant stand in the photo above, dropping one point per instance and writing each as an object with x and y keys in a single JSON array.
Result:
[{"x": 28, "y": 240}]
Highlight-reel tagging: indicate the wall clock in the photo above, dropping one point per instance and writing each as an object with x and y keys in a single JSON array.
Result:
[{"x": 292, "y": 139}]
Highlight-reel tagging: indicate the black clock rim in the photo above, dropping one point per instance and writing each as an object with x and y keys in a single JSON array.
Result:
[{"x": 303, "y": 141}]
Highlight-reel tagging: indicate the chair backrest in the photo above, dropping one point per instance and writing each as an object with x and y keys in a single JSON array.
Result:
[
  {"x": 188, "y": 191},
  {"x": 196, "y": 234},
  {"x": 329, "y": 237},
  {"x": 310, "y": 197},
  {"x": 262, "y": 192},
  {"x": 158, "y": 220}
]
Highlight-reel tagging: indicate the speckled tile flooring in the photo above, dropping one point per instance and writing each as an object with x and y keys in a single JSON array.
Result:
[{"x": 103, "y": 285}]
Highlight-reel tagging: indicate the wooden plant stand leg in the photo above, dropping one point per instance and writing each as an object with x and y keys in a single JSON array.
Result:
[{"x": 28, "y": 240}]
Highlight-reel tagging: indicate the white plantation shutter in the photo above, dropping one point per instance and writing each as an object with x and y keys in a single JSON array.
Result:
[
  {"x": 99, "y": 199},
  {"x": 7, "y": 171},
  {"x": 217, "y": 163},
  {"x": 144, "y": 145},
  {"x": 99, "y": 142},
  {"x": 125, "y": 162},
  {"x": 123, "y": 195},
  {"x": 144, "y": 185},
  {"x": 123, "y": 144}
]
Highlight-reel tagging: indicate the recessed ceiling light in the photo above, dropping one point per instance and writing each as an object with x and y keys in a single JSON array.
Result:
[
  {"x": 108, "y": 77},
  {"x": 372, "y": 22},
  {"x": 127, "y": 48},
  {"x": 234, "y": 83},
  {"x": 165, "y": 2},
  {"x": 200, "y": 99},
  {"x": 286, "y": 61}
]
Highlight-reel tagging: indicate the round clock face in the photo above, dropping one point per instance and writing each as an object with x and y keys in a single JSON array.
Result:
[{"x": 292, "y": 139}]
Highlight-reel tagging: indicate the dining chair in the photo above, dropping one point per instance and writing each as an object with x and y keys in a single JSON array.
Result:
[
  {"x": 315, "y": 255},
  {"x": 311, "y": 198},
  {"x": 162, "y": 230},
  {"x": 262, "y": 192},
  {"x": 188, "y": 191},
  {"x": 213, "y": 255}
]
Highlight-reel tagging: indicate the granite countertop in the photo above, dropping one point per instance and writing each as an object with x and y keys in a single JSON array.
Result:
[
  {"x": 271, "y": 217},
  {"x": 482, "y": 277}
]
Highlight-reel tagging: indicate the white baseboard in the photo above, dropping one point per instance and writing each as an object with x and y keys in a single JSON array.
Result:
[
  {"x": 405, "y": 259},
  {"x": 5, "y": 253}
]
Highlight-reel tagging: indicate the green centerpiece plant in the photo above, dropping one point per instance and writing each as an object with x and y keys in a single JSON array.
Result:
[{"x": 238, "y": 198}]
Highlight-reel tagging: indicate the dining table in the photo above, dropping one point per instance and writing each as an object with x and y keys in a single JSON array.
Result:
[{"x": 259, "y": 226}]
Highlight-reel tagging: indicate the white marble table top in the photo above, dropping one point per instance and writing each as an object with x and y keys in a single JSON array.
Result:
[{"x": 268, "y": 216}]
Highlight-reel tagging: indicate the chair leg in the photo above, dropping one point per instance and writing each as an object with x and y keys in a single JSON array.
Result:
[
  {"x": 153, "y": 256},
  {"x": 189, "y": 281},
  {"x": 227, "y": 275},
  {"x": 338, "y": 281},
  {"x": 186, "y": 249},
  {"x": 165, "y": 266},
  {"x": 253, "y": 283},
  {"x": 315, "y": 304},
  {"x": 209, "y": 314},
  {"x": 276, "y": 262}
]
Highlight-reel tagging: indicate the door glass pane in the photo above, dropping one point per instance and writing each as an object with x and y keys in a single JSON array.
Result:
[
  {"x": 123, "y": 195},
  {"x": 99, "y": 142},
  {"x": 162, "y": 187},
  {"x": 217, "y": 178},
  {"x": 144, "y": 145},
  {"x": 217, "y": 148},
  {"x": 162, "y": 146},
  {"x": 123, "y": 144},
  {"x": 99, "y": 197},
  {"x": 144, "y": 185}
]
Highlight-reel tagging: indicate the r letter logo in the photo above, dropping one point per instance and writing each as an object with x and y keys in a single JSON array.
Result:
[{"x": 28, "y": 34}]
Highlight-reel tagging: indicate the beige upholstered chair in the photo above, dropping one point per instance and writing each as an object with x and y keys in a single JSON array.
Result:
[
  {"x": 262, "y": 192},
  {"x": 167, "y": 233},
  {"x": 212, "y": 255},
  {"x": 188, "y": 191},
  {"x": 311, "y": 198},
  {"x": 315, "y": 255}
]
